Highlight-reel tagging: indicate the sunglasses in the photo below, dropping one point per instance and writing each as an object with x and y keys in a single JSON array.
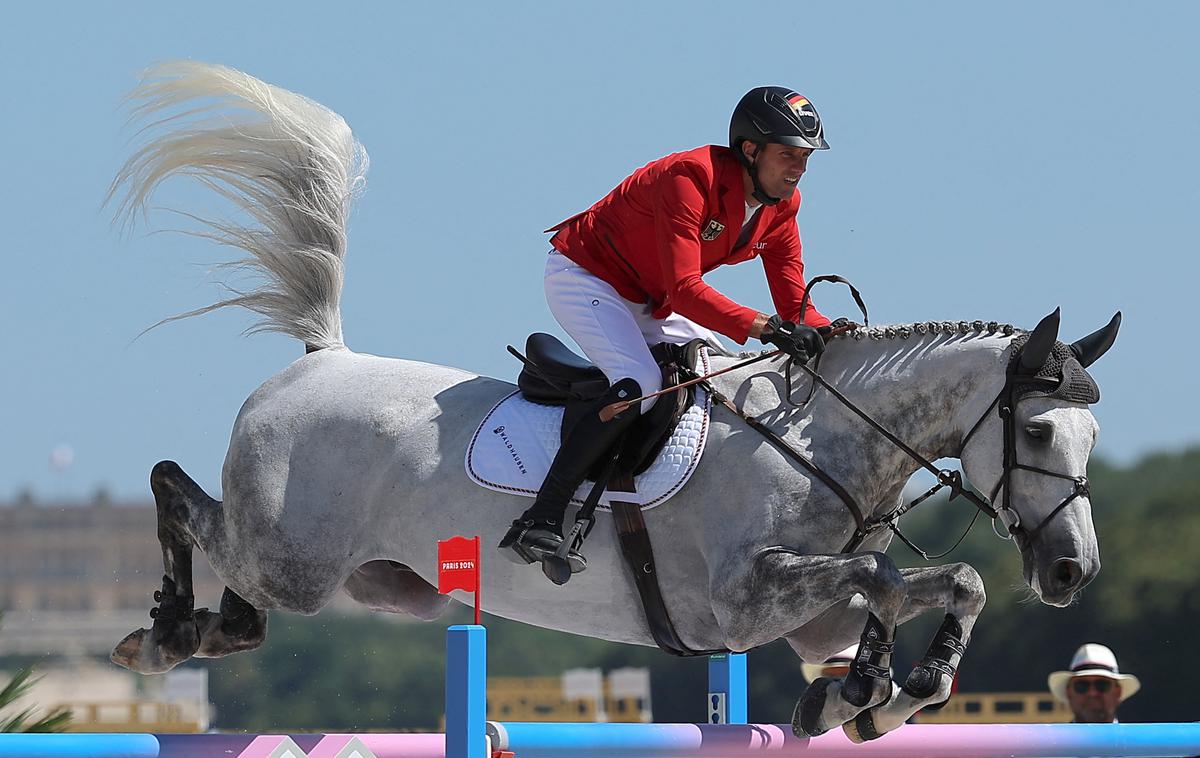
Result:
[{"x": 1083, "y": 685}]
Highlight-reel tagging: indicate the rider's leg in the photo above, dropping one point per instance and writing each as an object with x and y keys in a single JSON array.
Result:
[
  {"x": 613, "y": 333},
  {"x": 603, "y": 324},
  {"x": 538, "y": 533}
]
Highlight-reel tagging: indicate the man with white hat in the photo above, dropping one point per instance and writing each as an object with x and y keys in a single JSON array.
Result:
[{"x": 1094, "y": 686}]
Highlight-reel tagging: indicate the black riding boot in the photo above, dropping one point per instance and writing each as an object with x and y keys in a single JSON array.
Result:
[{"x": 538, "y": 533}]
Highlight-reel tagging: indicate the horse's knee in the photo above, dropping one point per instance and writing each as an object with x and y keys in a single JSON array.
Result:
[
  {"x": 967, "y": 595},
  {"x": 879, "y": 580}
]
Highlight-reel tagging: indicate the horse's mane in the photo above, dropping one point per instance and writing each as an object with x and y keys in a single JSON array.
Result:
[{"x": 918, "y": 329}]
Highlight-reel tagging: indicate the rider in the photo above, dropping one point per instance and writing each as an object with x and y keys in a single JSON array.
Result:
[{"x": 627, "y": 273}]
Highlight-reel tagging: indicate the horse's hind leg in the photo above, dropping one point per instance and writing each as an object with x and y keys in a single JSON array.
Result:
[
  {"x": 174, "y": 636},
  {"x": 237, "y": 628},
  {"x": 958, "y": 590}
]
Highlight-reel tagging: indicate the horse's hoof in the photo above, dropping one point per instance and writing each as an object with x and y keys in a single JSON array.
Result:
[
  {"x": 862, "y": 728},
  {"x": 148, "y": 651},
  {"x": 806, "y": 718},
  {"x": 556, "y": 569}
]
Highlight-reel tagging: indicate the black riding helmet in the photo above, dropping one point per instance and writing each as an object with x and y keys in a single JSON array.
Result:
[{"x": 774, "y": 114}]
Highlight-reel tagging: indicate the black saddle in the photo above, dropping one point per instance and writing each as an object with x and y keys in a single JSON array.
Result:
[{"x": 554, "y": 375}]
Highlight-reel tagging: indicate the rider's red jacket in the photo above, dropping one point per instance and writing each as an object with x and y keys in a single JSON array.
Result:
[{"x": 674, "y": 220}]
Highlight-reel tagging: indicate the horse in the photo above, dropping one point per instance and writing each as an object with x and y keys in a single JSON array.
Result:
[{"x": 344, "y": 469}]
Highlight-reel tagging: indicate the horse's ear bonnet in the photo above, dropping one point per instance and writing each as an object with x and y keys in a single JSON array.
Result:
[{"x": 1061, "y": 376}]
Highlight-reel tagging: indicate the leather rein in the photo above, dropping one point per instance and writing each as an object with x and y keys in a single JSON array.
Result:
[{"x": 1005, "y": 402}]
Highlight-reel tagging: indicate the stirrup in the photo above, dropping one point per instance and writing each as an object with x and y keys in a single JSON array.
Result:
[{"x": 528, "y": 541}]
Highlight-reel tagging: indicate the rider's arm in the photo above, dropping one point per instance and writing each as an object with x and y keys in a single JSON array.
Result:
[
  {"x": 679, "y": 214},
  {"x": 784, "y": 265}
]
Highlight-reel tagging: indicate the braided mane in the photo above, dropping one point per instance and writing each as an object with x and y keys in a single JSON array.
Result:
[{"x": 918, "y": 328}]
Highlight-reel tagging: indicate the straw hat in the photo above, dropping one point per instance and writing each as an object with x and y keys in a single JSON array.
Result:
[
  {"x": 812, "y": 671},
  {"x": 1093, "y": 660}
]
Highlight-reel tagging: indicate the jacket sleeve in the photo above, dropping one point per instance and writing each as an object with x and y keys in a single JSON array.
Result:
[
  {"x": 679, "y": 214},
  {"x": 784, "y": 265}
]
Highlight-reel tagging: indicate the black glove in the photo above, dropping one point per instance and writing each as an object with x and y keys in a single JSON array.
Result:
[
  {"x": 837, "y": 323},
  {"x": 800, "y": 341}
]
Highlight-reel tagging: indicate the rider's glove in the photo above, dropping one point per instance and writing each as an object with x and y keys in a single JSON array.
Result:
[
  {"x": 837, "y": 323},
  {"x": 800, "y": 341}
]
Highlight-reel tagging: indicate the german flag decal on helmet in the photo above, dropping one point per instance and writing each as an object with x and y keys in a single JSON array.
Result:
[{"x": 804, "y": 111}]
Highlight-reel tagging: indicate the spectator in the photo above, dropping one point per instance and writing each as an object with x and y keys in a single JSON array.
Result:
[{"x": 1094, "y": 686}]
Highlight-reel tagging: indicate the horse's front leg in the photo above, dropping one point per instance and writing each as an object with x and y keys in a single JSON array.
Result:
[
  {"x": 781, "y": 590},
  {"x": 956, "y": 589}
]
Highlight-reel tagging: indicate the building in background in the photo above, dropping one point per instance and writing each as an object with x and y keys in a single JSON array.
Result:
[{"x": 579, "y": 695}]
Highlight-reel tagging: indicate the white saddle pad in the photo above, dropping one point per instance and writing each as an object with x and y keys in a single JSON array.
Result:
[{"x": 513, "y": 447}]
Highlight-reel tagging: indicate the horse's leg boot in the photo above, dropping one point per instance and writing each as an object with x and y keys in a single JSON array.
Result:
[
  {"x": 171, "y": 639},
  {"x": 237, "y": 628},
  {"x": 537, "y": 535}
]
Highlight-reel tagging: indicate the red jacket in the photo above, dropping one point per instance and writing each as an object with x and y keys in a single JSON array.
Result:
[{"x": 670, "y": 222}]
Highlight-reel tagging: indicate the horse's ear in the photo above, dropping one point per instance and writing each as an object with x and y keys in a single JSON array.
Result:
[
  {"x": 1041, "y": 341},
  {"x": 1089, "y": 349}
]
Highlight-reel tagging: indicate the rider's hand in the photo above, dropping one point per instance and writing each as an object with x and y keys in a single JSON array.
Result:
[
  {"x": 800, "y": 341},
  {"x": 837, "y": 323}
]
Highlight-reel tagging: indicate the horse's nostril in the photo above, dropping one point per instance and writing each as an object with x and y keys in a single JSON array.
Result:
[{"x": 1066, "y": 573}]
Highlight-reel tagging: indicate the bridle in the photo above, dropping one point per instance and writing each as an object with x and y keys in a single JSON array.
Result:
[{"x": 1004, "y": 402}]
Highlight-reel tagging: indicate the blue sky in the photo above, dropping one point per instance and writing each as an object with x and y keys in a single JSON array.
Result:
[{"x": 989, "y": 161}]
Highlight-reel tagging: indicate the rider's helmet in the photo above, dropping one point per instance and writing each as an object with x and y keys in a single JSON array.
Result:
[{"x": 774, "y": 114}]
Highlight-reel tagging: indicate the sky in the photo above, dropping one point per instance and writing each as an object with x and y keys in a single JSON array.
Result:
[{"x": 989, "y": 161}]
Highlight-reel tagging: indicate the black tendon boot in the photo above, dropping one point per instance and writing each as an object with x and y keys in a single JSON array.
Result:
[{"x": 538, "y": 534}]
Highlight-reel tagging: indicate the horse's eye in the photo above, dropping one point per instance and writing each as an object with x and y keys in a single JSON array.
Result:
[{"x": 1040, "y": 433}]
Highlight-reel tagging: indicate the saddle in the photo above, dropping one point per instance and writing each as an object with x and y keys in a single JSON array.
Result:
[{"x": 554, "y": 375}]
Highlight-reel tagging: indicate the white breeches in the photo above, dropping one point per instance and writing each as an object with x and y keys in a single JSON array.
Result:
[{"x": 613, "y": 333}]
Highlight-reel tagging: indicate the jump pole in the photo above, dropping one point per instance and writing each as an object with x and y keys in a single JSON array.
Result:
[{"x": 466, "y": 654}]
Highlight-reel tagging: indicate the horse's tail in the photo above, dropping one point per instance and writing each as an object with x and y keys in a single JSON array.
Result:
[{"x": 291, "y": 164}]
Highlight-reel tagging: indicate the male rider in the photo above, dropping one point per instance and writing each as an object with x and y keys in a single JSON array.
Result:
[{"x": 627, "y": 273}]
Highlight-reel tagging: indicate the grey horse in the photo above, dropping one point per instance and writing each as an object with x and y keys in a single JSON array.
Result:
[{"x": 344, "y": 469}]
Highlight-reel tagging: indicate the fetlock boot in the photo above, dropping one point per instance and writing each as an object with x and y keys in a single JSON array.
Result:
[{"x": 538, "y": 533}]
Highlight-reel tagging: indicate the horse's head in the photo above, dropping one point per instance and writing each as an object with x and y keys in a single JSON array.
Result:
[{"x": 1030, "y": 453}]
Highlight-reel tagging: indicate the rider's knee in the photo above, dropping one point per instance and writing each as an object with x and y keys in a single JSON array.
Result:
[{"x": 649, "y": 382}]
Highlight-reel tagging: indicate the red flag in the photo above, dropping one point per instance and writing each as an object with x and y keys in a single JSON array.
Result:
[
  {"x": 458, "y": 564},
  {"x": 458, "y": 567}
]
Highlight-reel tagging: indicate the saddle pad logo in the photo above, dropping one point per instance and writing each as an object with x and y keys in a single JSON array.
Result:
[{"x": 712, "y": 230}]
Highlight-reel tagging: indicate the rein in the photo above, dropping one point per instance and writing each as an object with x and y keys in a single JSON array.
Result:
[{"x": 864, "y": 527}]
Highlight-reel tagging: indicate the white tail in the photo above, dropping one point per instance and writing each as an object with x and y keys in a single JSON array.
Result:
[{"x": 290, "y": 163}]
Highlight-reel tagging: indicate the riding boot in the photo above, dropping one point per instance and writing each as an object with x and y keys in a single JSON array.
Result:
[{"x": 538, "y": 533}]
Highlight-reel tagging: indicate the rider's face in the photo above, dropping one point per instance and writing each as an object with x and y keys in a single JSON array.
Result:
[{"x": 779, "y": 167}]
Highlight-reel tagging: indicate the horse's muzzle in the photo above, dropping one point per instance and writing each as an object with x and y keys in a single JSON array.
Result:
[{"x": 1064, "y": 578}]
